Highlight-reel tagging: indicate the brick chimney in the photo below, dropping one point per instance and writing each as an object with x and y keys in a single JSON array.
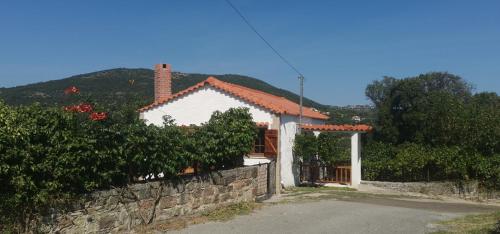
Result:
[{"x": 163, "y": 82}]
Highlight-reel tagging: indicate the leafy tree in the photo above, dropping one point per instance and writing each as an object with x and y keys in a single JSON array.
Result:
[
  {"x": 481, "y": 130},
  {"x": 431, "y": 127},
  {"x": 377, "y": 161},
  {"x": 409, "y": 109},
  {"x": 225, "y": 138},
  {"x": 333, "y": 148},
  {"x": 49, "y": 156},
  {"x": 378, "y": 91},
  {"x": 305, "y": 146},
  {"x": 169, "y": 156}
]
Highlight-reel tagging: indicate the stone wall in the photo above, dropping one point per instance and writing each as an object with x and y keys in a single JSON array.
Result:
[
  {"x": 121, "y": 209},
  {"x": 464, "y": 190},
  {"x": 262, "y": 179}
]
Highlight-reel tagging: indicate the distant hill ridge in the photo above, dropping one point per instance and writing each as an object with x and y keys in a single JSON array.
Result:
[{"x": 112, "y": 87}]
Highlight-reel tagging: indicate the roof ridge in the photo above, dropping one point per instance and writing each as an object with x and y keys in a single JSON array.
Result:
[
  {"x": 244, "y": 87},
  {"x": 256, "y": 90},
  {"x": 277, "y": 104}
]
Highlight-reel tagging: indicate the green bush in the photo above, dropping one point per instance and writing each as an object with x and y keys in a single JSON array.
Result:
[
  {"x": 305, "y": 146},
  {"x": 437, "y": 129},
  {"x": 334, "y": 148},
  {"x": 49, "y": 156},
  {"x": 414, "y": 162},
  {"x": 377, "y": 161},
  {"x": 224, "y": 139},
  {"x": 331, "y": 148}
]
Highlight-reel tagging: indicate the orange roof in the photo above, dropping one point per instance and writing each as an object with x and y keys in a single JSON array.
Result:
[
  {"x": 275, "y": 104},
  {"x": 337, "y": 128}
]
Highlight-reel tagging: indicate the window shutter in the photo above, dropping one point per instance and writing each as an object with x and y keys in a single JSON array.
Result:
[{"x": 271, "y": 142}]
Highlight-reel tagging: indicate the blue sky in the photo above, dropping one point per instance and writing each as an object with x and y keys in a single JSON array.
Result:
[{"x": 340, "y": 46}]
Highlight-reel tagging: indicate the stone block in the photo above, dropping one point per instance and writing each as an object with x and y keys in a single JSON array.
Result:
[
  {"x": 237, "y": 185},
  {"x": 168, "y": 202},
  {"x": 184, "y": 198},
  {"x": 118, "y": 209},
  {"x": 146, "y": 209},
  {"x": 208, "y": 191},
  {"x": 143, "y": 193},
  {"x": 112, "y": 202},
  {"x": 107, "y": 222},
  {"x": 168, "y": 190}
]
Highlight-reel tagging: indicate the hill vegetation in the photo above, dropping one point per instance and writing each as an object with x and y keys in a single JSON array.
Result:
[{"x": 114, "y": 88}]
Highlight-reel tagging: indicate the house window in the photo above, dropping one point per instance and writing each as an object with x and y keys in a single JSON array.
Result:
[{"x": 259, "y": 146}]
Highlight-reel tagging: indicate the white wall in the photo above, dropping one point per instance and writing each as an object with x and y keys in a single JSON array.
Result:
[
  {"x": 249, "y": 161},
  {"x": 288, "y": 129},
  {"x": 198, "y": 106},
  {"x": 355, "y": 160}
]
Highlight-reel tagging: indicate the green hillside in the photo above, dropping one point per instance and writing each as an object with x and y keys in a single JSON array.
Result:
[{"x": 113, "y": 87}]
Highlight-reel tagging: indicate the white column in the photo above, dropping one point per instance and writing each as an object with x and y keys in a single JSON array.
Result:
[{"x": 355, "y": 160}]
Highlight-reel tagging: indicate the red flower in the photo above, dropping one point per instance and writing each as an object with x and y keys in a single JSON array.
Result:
[
  {"x": 71, "y": 90},
  {"x": 71, "y": 108},
  {"x": 84, "y": 108},
  {"x": 97, "y": 116}
]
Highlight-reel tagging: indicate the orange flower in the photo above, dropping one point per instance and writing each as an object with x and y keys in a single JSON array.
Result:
[
  {"x": 98, "y": 116},
  {"x": 84, "y": 108},
  {"x": 71, "y": 90}
]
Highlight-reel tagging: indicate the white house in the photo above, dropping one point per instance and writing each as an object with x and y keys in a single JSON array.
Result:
[{"x": 276, "y": 117}]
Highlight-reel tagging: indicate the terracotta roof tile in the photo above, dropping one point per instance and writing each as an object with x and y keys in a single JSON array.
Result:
[
  {"x": 275, "y": 104},
  {"x": 337, "y": 128}
]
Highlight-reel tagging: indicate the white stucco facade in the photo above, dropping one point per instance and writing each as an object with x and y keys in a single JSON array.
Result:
[
  {"x": 197, "y": 107},
  {"x": 249, "y": 161},
  {"x": 288, "y": 129},
  {"x": 355, "y": 159}
]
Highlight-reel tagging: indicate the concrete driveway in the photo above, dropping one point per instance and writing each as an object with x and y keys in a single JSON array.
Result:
[{"x": 364, "y": 214}]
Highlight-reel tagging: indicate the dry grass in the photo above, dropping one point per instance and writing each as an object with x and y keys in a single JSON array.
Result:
[
  {"x": 310, "y": 194},
  {"x": 220, "y": 214},
  {"x": 229, "y": 212},
  {"x": 471, "y": 224}
]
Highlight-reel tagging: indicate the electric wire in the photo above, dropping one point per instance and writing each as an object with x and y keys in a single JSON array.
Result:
[{"x": 262, "y": 37}]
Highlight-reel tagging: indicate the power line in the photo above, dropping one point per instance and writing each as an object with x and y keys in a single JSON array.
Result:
[{"x": 261, "y": 37}]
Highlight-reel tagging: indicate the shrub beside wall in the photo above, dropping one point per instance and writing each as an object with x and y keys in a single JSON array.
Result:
[
  {"x": 414, "y": 162},
  {"x": 433, "y": 126},
  {"x": 48, "y": 155},
  {"x": 125, "y": 208}
]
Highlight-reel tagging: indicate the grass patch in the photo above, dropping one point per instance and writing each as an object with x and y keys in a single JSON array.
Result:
[
  {"x": 316, "y": 193},
  {"x": 219, "y": 214},
  {"x": 473, "y": 224},
  {"x": 228, "y": 212},
  {"x": 319, "y": 189}
]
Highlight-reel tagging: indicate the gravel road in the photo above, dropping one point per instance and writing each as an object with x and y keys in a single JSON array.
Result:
[{"x": 363, "y": 215}]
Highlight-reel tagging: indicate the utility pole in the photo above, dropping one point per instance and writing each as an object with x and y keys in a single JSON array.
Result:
[{"x": 301, "y": 79}]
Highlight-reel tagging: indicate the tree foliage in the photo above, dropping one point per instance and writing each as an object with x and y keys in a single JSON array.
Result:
[
  {"x": 49, "y": 155},
  {"x": 111, "y": 88},
  {"x": 331, "y": 148},
  {"x": 227, "y": 136},
  {"x": 433, "y": 127},
  {"x": 305, "y": 146},
  {"x": 334, "y": 148}
]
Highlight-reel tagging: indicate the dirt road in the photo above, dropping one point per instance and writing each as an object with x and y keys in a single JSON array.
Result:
[{"x": 341, "y": 213}]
